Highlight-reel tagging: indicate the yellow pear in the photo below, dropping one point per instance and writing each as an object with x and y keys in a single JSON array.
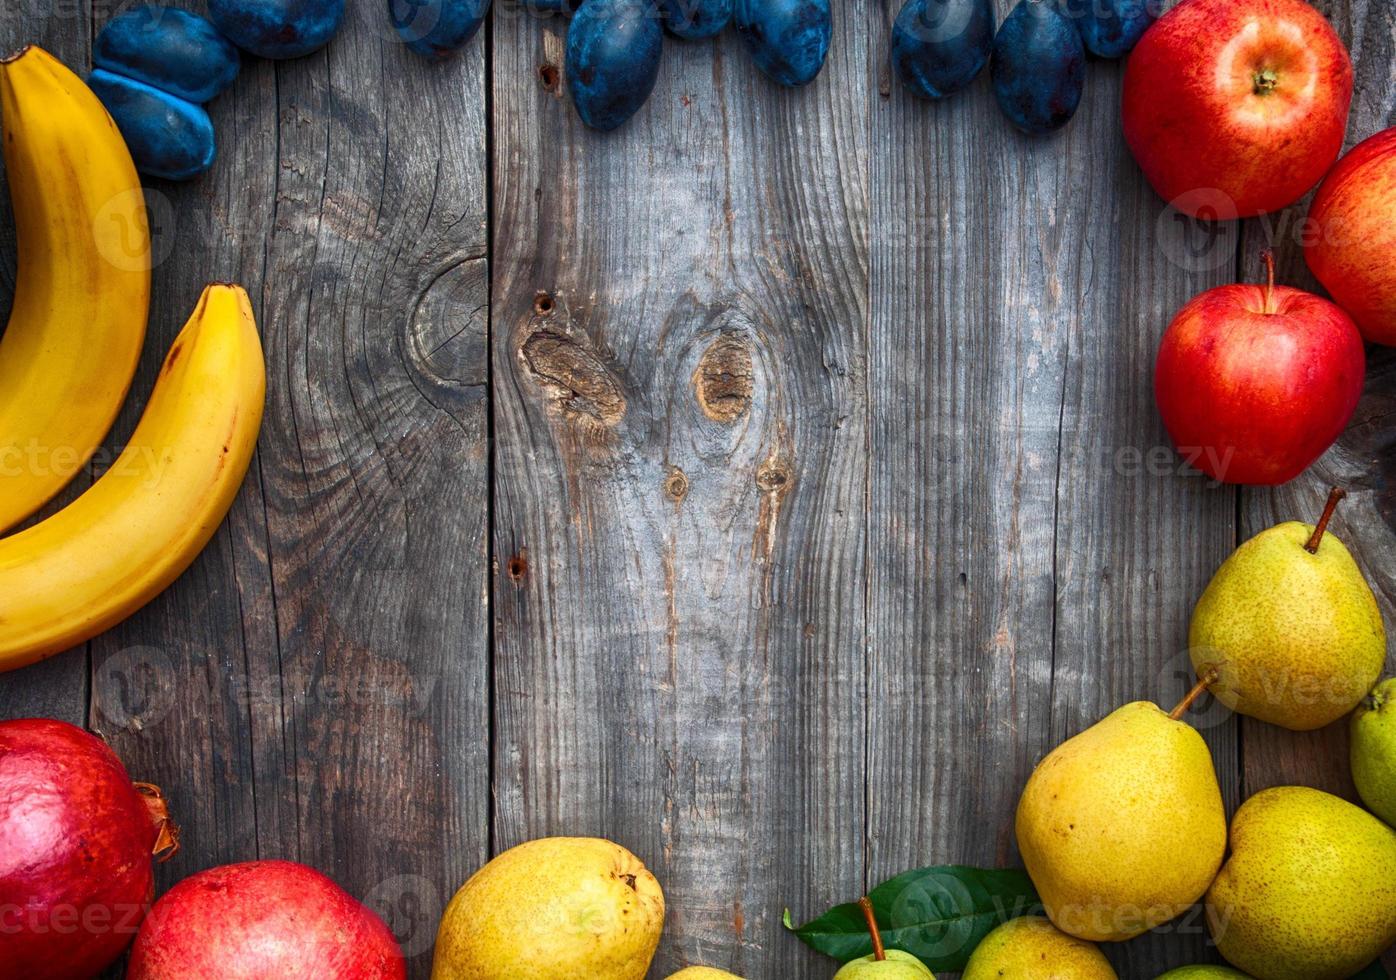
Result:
[
  {"x": 1373, "y": 752},
  {"x": 1122, "y": 827},
  {"x": 559, "y": 908},
  {"x": 1309, "y": 892},
  {"x": 1291, "y": 627},
  {"x": 1031, "y": 948},
  {"x": 703, "y": 973},
  {"x": 1204, "y": 972},
  {"x": 882, "y": 964}
]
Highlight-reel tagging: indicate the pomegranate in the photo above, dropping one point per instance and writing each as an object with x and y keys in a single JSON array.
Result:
[
  {"x": 259, "y": 920},
  {"x": 77, "y": 839}
]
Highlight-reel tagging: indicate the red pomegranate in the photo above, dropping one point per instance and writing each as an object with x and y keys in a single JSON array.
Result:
[
  {"x": 259, "y": 920},
  {"x": 77, "y": 839}
]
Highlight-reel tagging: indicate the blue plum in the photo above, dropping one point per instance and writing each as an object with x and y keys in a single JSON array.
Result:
[
  {"x": 696, "y": 19},
  {"x": 1111, "y": 28},
  {"x": 168, "y": 136},
  {"x": 278, "y": 28},
  {"x": 437, "y": 28},
  {"x": 789, "y": 39},
  {"x": 170, "y": 49},
  {"x": 940, "y": 46},
  {"x": 613, "y": 53},
  {"x": 1038, "y": 67}
]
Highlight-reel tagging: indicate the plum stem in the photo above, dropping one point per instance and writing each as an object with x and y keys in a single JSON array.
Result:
[
  {"x": 1334, "y": 495},
  {"x": 1205, "y": 681},
  {"x": 865, "y": 903}
]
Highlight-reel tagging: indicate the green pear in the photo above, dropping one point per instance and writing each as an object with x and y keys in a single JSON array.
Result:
[
  {"x": 1309, "y": 892},
  {"x": 1031, "y": 947},
  {"x": 1122, "y": 827},
  {"x": 703, "y": 973},
  {"x": 1205, "y": 972},
  {"x": 882, "y": 964},
  {"x": 1291, "y": 627},
  {"x": 1374, "y": 751},
  {"x": 559, "y": 908}
]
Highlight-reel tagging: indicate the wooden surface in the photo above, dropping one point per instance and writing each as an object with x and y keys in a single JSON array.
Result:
[{"x": 766, "y": 486}]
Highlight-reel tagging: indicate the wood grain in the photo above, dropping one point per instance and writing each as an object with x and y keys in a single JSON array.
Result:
[
  {"x": 679, "y": 494},
  {"x": 1037, "y": 544},
  {"x": 766, "y": 486}
]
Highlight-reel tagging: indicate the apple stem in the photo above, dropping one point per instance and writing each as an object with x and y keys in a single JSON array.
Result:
[
  {"x": 1334, "y": 495},
  {"x": 1264, "y": 81},
  {"x": 865, "y": 904},
  {"x": 1268, "y": 257},
  {"x": 1203, "y": 683}
]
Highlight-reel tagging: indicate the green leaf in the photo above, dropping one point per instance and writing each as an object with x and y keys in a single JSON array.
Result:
[
  {"x": 939, "y": 915},
  {"x": 1374, "y": 972}
]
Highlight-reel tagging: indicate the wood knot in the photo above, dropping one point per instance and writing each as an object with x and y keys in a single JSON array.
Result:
[
  {"x": 574, "y": 376},
  {"x": 676, "y": 485},
  {"x": 773, "y": 476},
  {"x": 543, "y": 303},
  {"x": 724, "y": 379},
  {"x": 549, "y": 76}
]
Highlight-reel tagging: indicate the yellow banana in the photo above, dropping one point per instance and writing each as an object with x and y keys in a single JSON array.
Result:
[
  {"x": 136, "y": 529},
  {"x": 75, "y": 333}
]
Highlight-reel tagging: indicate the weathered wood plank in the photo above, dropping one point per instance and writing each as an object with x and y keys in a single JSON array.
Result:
[
  {"x": 1364, "y": 458},
  {"x": 316, "y": 686},
  {"x": 680, "y": 483},
  {"x": 57, "y": 687},
  {"x": 1035, "y": 548}
]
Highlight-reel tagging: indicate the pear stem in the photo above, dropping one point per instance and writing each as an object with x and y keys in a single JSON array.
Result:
[
  {"x": 1268, "y": 257},
  {"x": 1334, "y": 495},
  {"x": 1206, "y": 681},
  {"x": 865, "y": 903}
]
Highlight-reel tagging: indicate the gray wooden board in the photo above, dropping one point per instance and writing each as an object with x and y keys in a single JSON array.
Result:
[{"x": 766, "y": 486}]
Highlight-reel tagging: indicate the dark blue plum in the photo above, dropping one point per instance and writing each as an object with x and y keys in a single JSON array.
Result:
[
  {"x": 169, "y": 48},
  {"x": 613, "y": 52},
  {"x": 1038, "y": 67},
  {"x": 278, "y": 28},
  {"x": 437, "y": 28},
  {"x": 789, "y": 39},
  {"x": 693, "y": 20},
  {"x": 940, "y": 46},
  {"x": 1111, "y": 28},
  {"x": 168, "y": 136}
]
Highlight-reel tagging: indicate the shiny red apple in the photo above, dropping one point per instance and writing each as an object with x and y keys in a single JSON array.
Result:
[
  {"x": 263, "y": 919},
  {"x": 1255, "y": 382},
  {"x": 1350, "y": 244},
  {"x": 1237, "y": 107}
]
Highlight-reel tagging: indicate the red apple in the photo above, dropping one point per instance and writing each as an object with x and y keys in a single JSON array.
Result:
[
  {"x": 263, "y": 919},
  {"x": 1255, "y": 382},
  {"x": 1351, "y": 242},
  {"x": 1237, "y": 107}
]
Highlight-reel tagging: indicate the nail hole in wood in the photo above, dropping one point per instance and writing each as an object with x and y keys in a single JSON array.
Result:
[
  {"x": 676, "y": 485},
  {"x": 518, "y": 567},
  {"x": 549, "y": 76},
  {"x": 543, "y": 303},
  {"x": 773, "y": 476}
]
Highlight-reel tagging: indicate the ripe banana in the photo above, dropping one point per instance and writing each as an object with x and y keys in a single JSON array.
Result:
[
  {"x": 136, "y": 529},
  {"x": 75, "y": 333}
]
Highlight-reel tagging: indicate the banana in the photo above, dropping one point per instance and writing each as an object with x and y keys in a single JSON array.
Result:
[
  {"x": 135, "y": 530},
  {"x": 75, "y": 332}
]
